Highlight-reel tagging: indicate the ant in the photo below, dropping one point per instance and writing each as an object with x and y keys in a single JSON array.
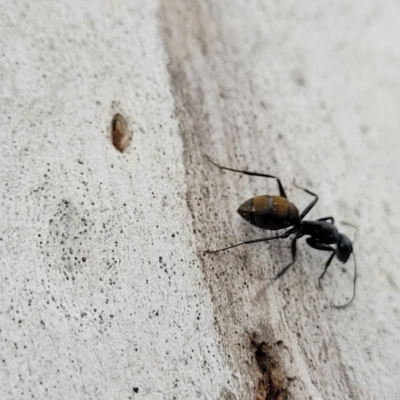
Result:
[{"x": 277, "y": 212}]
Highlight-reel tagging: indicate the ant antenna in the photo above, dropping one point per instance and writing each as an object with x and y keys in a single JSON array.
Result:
[
  {"x": 354, "y": 286},
  {"x": 353, "y": 226}
]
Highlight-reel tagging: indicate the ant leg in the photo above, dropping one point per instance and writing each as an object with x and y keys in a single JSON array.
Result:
[
  {"x": 327, "y": 219},
  {"x": 326, "y": 267},
  {"x": 283, "y": 236},
  {"x": 294, "y": 249},
  {"x": 311, "y": 205},
  {"x": 354, "y": 286},
  {"x": 281, "y": 190},
  {"x": 323, "y": 247}
]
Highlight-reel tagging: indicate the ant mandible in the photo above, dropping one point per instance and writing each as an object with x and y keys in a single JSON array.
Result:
[{"x": 277, "y": 212}]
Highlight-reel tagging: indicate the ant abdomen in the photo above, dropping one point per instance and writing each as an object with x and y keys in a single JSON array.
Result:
[{"x": 269, "y": 212}]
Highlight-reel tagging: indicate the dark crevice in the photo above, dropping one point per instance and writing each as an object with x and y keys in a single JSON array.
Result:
[{"x": 272, "y": 385}]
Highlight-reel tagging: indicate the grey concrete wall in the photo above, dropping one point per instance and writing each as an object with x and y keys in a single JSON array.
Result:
[{"x": 105, "y": 289}]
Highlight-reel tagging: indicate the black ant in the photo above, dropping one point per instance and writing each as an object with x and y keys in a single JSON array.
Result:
[{"x": 277, "y": 212}]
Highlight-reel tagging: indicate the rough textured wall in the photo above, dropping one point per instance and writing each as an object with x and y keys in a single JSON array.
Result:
[
  {"x": 104, "y": 288},
  {"x": 102, "y": 296},
  {"x": 306, "y": 92}
]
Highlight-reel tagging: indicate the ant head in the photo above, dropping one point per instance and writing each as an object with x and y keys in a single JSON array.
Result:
[{"x": 344, "y": 248}]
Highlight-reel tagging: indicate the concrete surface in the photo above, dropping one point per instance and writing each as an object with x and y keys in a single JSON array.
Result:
[{"x": 105, "y": 290}]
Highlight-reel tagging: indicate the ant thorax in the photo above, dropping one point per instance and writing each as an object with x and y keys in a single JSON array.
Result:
[{"x": 321, "y": 231}]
